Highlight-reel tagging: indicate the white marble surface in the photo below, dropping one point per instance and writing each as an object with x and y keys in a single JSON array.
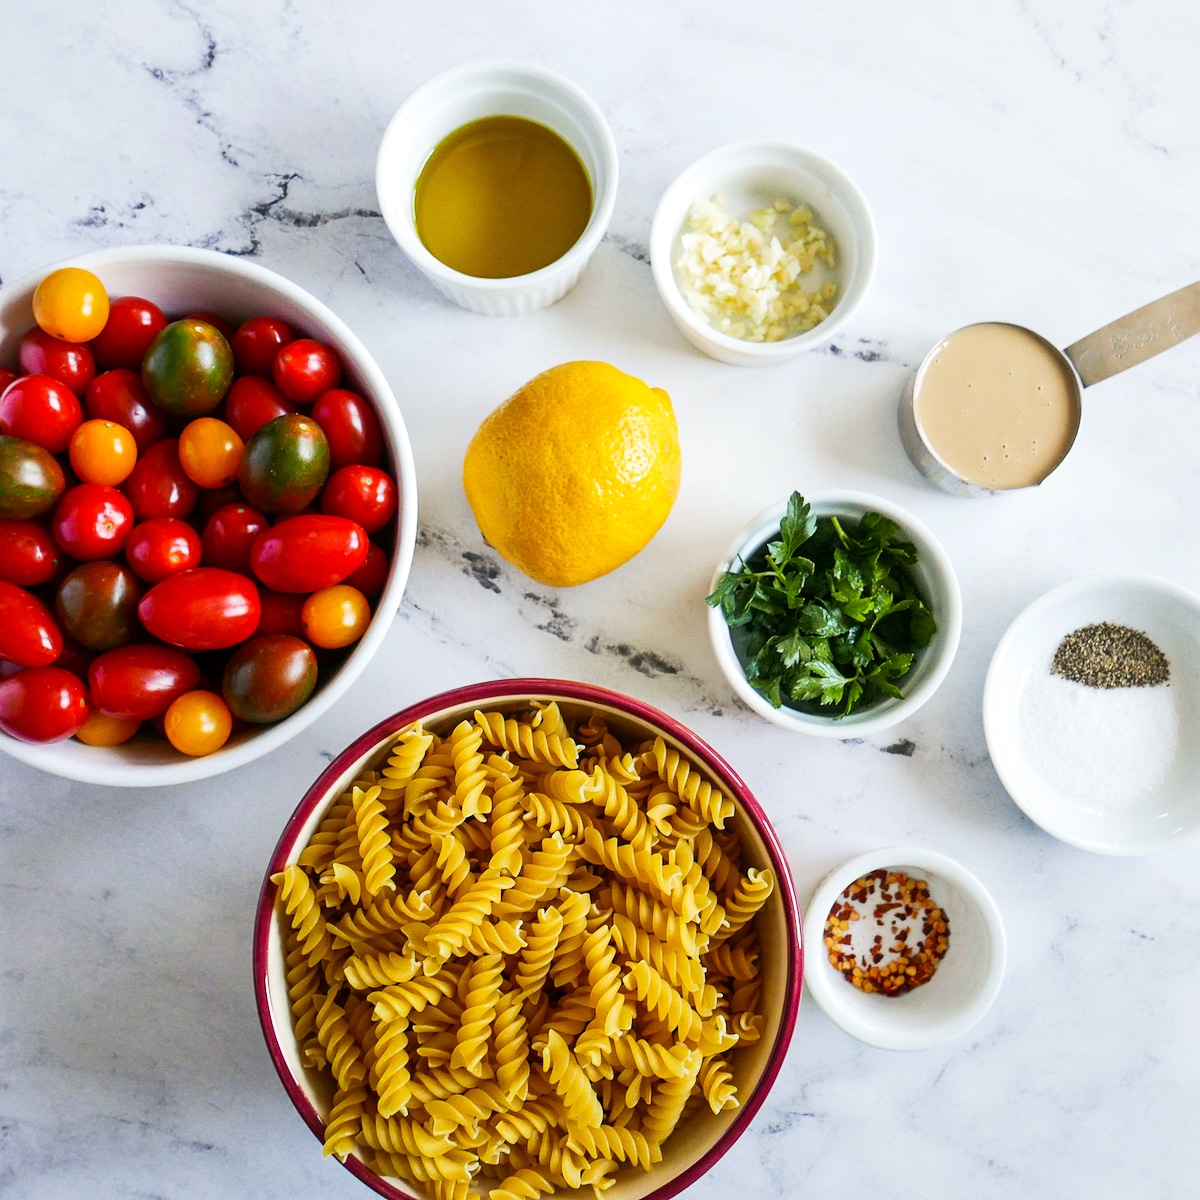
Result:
[{"x": 1029, "y": 161}]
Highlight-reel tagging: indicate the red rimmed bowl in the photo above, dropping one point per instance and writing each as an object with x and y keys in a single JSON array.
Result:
[{"x": 701, "y": 1138}]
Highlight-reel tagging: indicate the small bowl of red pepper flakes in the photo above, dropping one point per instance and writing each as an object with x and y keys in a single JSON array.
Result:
[{"x": 908, "y": 948}]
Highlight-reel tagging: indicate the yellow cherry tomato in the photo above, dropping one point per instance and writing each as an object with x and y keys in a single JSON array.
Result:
[
  {"x": 99, "y": 730},
  {"x": 198, "y": 723},
  {"x": 335, "y": 616},
  {"x": 71, "y": 304},
  {"x": 102, "y": 452},
  {"x": 210, "y": 452}
]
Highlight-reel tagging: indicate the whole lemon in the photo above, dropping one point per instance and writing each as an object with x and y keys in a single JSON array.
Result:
[{"x": 574, "y": 473}]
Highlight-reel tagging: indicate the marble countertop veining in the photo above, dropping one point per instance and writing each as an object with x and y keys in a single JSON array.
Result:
[{"x": 1027, "y": 160}]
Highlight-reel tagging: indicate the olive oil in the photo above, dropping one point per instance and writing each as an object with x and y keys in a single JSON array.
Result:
[{"x": 500, "y": 197}]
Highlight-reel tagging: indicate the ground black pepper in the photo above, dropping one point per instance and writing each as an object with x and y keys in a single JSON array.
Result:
[{"x": 1110, "y": 656}]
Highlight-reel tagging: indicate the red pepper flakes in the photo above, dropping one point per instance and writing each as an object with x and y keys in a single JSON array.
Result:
[{"x": 907, "y": 903}]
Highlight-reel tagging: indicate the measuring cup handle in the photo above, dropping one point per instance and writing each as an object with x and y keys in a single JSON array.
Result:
[{"x": 1137, "y": 336}]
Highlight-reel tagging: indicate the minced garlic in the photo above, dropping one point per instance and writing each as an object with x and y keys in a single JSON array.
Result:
[{"x": 743, "y": 277}]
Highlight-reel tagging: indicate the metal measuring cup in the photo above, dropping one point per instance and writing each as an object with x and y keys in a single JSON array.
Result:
[{"x": 1116, "y": 347}]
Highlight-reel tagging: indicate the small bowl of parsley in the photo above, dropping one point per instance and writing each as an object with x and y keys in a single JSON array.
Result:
[{"x": 838, "y": 615}]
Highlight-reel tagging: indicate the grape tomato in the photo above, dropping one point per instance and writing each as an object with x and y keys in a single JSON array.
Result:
[
  {"x": 43, "y": 704},
  {"x": 158, "y": 486},
  {"x": 305, "y": 368},
  {"x": 40, "y": 409},
  {"x": 139, "y": 682},
  {"x": 163, "y": 546},
  {"x": 29, "y": 634},
  {"x": 256, "y": 343},
  {"x": 205, "y": 608},
  {"x": 308, "y": 552},
  {"x": 251, "y": 402},
  {"x": 210, "y": 452},
  {"x": 363, "y": 494},
  {"x": 351, "y": 428},
  {"x": 29, "y": 554}
]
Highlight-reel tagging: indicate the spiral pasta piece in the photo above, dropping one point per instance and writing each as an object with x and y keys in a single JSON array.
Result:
[
  {"x": 582, "y": 1105},
  {"x": 300, "y": 904},
  {"x": 568, "y": 966},
  {"x": 643, "y": 868},
  {"x": 453, "y": 864},
  {"x": 345, "y": 1122},
  {"x": 610, "y": 1141},
  {"x": 557, "y": 816},
  {"x": 512, "y": 1048},
  {"x": 682, "y": 971},
  {"x": 393, "y": 1080},
  {"x": 408, "y": 750},
  {"x": 510, "y": 734},
  {"x": 495, "y": 937},
  {"x": 666, "y": 1106},
  {"x": 378, "y": 970},
  {"x": 717, "y": 1081},
  {"x": 544, "y": 871},
  {"x": 697, "y": 793},
  {"x": 506, "y": 833},
  {"x": 667, "y": 1004},
  {"x": 469, "y": 911},
  {"x": 535, "y": 960},
  {"x": 403, "y": 998},
  {"x": 470, "y": 778},
  {"x": 482, "y": 996},
  {"x": 374, "y": 845},
  {"x": 526, "y": 1184},
  {"x": 341, "y": 1050},
  {"x": 750, "y": 894}
]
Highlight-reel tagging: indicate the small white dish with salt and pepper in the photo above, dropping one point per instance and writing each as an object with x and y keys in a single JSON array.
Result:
[
  {"x": 967, "y": 979},
  {"x": 1114, "y": 770}
]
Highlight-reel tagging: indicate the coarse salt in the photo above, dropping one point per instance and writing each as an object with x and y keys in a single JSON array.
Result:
[{"x": 1103, "y": 748}]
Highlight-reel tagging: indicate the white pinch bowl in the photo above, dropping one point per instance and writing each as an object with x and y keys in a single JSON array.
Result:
[
  {"x": 493, "y": 88},
  {"x": 1170, "y": 615},
  {"x": 180, "y": 279},
  {"x": 700, "y": 1140},
  {"x": 935, "y": 578},
  {"x": 967, "y": 979},
  {"x": 750, "y": 176}
]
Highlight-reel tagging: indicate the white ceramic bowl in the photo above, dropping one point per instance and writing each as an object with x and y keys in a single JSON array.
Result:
[
  {"x": 967, "y": 978},
  {"x": 751, "y": 175},
  {"x": 498, "y": 87},
  {"x": 1168, "y": 814},
  {"x": 934, "y": 576},
  {"x": 180, "y": 280},
  {"x": 701, "y": 1138}
]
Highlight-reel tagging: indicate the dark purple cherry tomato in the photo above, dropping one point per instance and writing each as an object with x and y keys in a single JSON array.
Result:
[
  {"x": 68, "y": 362},
  {"x": 40, "y": 409},
  {"x": 29, "y": 635},
  {"x": 162, "y": 546},
  {"x": 31, "y": 480},
  {"x": 96, "y": 605},
  {"x": 206, "y": 608},
  {"x": 92, "y": 520},
  {"x": 284, "y": 465},
  {"x": 281, "y": 612},
  {"x": 158, "y": 486},
  {"x": 363, "y": 494},
  {"x": 188, "y": 368},
  {"x": 351, "y": 427},
  {"x": 309, "y": 552},
  {"x": 372, "y": 575},
  {"x": 118, "y": 396},
  {"x": 28, "y": 554},
  {"x": 43, "y": 704},
  {"x": 139, "y": 682},
  {"x": 133, "y": 323},
  {"x": 229, "y": 537},
  {"x": 256, "y": 343},
  {"x": 251, "y": 402},
  {"x": 305, "y": 368},
  {"x": 269, "y": 678}
]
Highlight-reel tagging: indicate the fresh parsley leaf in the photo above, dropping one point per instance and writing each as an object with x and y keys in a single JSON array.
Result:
[{"x": 838, "y": 626}]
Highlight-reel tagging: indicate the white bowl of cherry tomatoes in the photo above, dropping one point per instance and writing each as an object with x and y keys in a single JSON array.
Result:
[{"x": 207, "y": 514}]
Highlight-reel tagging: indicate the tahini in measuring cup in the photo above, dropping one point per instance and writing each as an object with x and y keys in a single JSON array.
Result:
[{"x": 995, "y": 407}]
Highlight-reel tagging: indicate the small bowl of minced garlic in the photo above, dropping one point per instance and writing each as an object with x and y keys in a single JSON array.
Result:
[{"x": 760, "y": 251}]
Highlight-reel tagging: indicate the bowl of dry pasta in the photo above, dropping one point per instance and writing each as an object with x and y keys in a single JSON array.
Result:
[{"x": 524, "y": 938}]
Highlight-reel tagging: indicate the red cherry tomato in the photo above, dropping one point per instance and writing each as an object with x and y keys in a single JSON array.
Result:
[
  {"x": 206, "y": 608},
  {"x": 256, "y": 343},
  {"x": 92, "y": 520},
  {"x": 308, "y": 552},
  {"x": 162, "y": 546},
  {"x": 28, "y": 554},
  {"x": 229, "y": 536},
  {"x": 305, "y": 368},
  {"x": 223, "y": 324},
  {"x": 40, "y": 409},
  {"x": 351, "y": 428},
  {"x": 29, "y": 634},
  {"x": 281, "y": 612},
  {"x": 363, "y": 494},
  {"x": 131, "y": 326},
  {"x": 68, "y": 362},
  {"x": 158, "y": 485},
  {"x": 251, "y": 402},
  {"x": 138, "y": 683},
  {"x": 119, "y": 396},
  {"x": 43, "y": 704},
  {"x": 372, "y": 575}
]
